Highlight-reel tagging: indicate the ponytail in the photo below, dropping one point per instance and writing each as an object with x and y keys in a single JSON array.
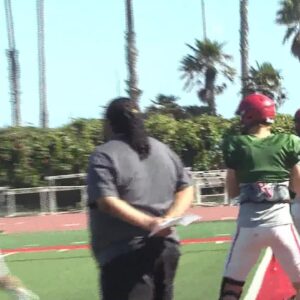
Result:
[{"x": 125, "y": 118}]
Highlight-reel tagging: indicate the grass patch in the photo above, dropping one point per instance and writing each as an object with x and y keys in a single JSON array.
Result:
[
  {"x": 198, "y": 230},
  {"x": 73, "y": 275}
]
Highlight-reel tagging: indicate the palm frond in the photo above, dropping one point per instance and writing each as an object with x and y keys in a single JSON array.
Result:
[
  {"x": 229, "y": 73},
  {"x": 289, "y": 12},
  {"x": 291, "y": 30},
  {"x": 266, "y": 79},
  {"x": 296, "y": 46}
]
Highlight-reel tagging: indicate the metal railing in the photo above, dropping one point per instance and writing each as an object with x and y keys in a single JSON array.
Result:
[
  {"x": 47, "y": 199},
  {"x": 209, "y": 189}
]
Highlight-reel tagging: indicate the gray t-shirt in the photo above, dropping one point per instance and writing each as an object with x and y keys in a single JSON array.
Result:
[{"x": 149, "y": 185}]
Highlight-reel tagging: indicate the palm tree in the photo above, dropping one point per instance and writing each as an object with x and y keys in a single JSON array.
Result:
[
  {"x": 289, "y": 15},
  {"x": 44, "y": 118},
  {"x": 267, "y": 80},
  {"x": 202, "y": 67},
  {"x": 13, "y": 66},
  {"x": 131, "y": 51},
  {"x": 244, "y": 48}
]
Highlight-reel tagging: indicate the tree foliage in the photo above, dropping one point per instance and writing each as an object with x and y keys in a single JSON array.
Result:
[
  {"x": 264, "y": 78},
  {"x": 289, "y": 15},
  {"x": 29, "y": 154},
  {"x": 168, "y": 105}
]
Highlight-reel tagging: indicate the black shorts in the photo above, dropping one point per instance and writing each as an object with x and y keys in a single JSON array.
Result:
[{"x": 144, "y": 274}]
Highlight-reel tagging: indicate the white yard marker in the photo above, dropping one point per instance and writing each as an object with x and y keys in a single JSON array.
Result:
[
  {"x": 8, "y": 254},
  {"x": 259, "y": 276},
  {"x": 71, "y": 224},
  {"x": 79, "y": 243}
]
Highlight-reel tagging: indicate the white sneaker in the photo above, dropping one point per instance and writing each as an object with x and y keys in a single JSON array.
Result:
[{"x": 24, "y": 294}]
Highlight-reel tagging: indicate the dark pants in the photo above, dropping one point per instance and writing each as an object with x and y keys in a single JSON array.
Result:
[{"x": 144, "y": 274}]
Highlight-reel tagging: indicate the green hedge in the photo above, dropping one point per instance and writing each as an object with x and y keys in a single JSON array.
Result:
[{"x": 27, "y": 154}]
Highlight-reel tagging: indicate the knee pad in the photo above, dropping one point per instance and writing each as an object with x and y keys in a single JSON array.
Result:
[{"x": 229, "y": 291}]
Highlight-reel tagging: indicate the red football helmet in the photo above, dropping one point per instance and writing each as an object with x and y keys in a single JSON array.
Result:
[{"x": 255, "y": 109}]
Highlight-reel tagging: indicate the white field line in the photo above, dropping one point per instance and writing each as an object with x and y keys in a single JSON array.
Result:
[
  {"x": 8, "y": 254},
  {"x": 259, "y": 276},
  {"x": 71, "y": 224},
  {"x": 79, "y": 243},
  {"x": 223, "y": 234}
]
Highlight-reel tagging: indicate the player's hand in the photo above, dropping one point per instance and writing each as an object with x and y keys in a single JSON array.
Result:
[{"x": 164, "y": 232}]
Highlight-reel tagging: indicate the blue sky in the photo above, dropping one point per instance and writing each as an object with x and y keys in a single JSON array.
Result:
[{"x": 85, "y": 54}]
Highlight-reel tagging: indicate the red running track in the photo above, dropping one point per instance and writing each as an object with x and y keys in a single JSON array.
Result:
[{"x": 77, "y": 221}]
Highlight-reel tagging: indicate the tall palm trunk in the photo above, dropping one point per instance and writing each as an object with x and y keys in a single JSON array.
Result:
[
  {"x": 210, "y": 79},
  {"x": 44, "y": 118},
  {"x": 131, "y": 50},
  {"x": 207, "y": 94},
  {"x": 244, "y": 47},
  {"x": 203, "y": 20},
  {"x": 13, "y": 66}
]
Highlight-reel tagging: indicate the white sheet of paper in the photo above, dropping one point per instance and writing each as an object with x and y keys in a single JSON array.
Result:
[{"x": 184, "y": 220}]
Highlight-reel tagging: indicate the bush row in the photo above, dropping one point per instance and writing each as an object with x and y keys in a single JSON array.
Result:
[{"x": 28, "y": 154}]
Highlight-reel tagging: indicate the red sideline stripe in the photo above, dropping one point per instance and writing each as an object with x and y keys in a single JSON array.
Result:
[
  {"x": 83, "y": 247},
  {"x": 206, "y": 240},
  {"x": 46, "y": 248}
]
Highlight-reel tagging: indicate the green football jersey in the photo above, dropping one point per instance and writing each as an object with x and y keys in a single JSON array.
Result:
[{"x": 268, "y": 159}]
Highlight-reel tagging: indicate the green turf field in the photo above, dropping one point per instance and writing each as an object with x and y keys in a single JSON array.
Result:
[
  {"x": 73, "y": 274},
  {"x": 200, "y": 230}
]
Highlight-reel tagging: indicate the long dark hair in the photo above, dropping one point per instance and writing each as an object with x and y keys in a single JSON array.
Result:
[{"x": 125, "y": 118}]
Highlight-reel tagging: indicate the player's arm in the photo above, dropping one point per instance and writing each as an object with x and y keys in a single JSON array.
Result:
[
  {"x": 184, "y": 191},
  {"x": 183, "y": 201},
  {"x": 126, "y": 212},
  {"x": 230, "y": 156},
  {"x": 232, "y": 185},
  {"x": 293, "y": 162},
  {"x": 295, "y": 180}
]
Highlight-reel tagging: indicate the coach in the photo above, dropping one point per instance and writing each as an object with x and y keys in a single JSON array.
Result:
[{"x": 134, "y": 183}]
